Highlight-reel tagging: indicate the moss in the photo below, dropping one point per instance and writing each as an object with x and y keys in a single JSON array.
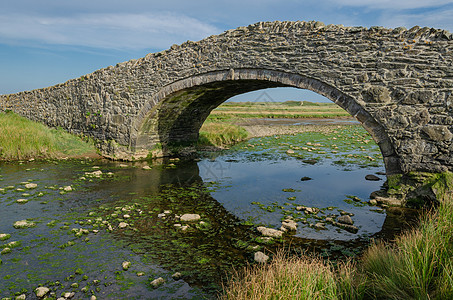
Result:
[{"x": 419, "y": 189}]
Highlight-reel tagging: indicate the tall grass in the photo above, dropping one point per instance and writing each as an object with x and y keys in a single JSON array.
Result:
[
  {"x": 418, "y": 265},
  {"x": 284, "y": 278},
  {"x": 221, "y": 134},
  {"x": 24, "y": 139}
]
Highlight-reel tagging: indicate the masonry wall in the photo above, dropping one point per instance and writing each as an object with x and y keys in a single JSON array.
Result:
[{"x": 402, "y": 78}]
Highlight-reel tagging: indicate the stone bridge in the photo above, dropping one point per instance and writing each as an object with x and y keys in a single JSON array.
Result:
[{"x": 398, "y": 83}]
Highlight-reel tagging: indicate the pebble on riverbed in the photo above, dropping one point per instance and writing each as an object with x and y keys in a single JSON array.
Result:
[
  {"x": 41, "y": 291},
  {"x": 190, "y": 217},
  {"x": 270, "y": 232},
  {"x": 157, "y": 282},
  {"x": 67, "y": 188},
  {"x": 122, "y": 225},
  {"x": 289, "y": 225},
  {"x": 126, "y": 265},
  {"x": 22, "y": 201}
]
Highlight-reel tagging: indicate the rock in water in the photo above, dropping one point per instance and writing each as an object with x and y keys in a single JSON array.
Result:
[
  {"x": 372, "y": 177},
  {"x": 31, "y": 185},
  {"x": 157, "y": 282},
  {"x": 126, "y": 265},
  {"x": 261, "y": 257},
  {"x": 41, "y": 291},
  {"x": 346, "y": 219},
  {"x": 270, "y": 232},
  {"x": 289, "y": 225}
]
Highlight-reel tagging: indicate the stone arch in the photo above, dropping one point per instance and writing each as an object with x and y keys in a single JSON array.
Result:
[{"x": 177, "y": 111}]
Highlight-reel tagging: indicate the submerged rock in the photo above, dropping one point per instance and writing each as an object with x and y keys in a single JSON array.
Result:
[
  {"x": 146, "y": 168},
  {"x": 4, "y": 236},
  {"x": 372, "y": 177},
  {"x": 157, "y": 282},
  {"x": 126, "y": 265},
  {"x": 31, "y": 185},
  {"x": 320, "y": 226},
  {"x": 260, "y": 257},
  {"x": 177, "y": 276},
  {"x": 305, "y": 178},
  {"x": 190, "y": 217},
  {"x": 23, "y": 224},
  {"x": 5, "y": 250},
  {"x": 67, "y": 188},
  {"x": 347, "y": 227},
  {"x": 22, "y": 201},
  {"x": 270, "y": 232}
]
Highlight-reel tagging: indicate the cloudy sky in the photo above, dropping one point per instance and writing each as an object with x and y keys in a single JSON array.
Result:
[{"x": 45, "y": 42}]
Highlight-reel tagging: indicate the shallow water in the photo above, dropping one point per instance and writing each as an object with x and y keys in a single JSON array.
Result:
[{"x": 232, "y": 191}]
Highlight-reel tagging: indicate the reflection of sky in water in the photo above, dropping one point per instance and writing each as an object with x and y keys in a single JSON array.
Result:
[{"x": 242, "y": 183}]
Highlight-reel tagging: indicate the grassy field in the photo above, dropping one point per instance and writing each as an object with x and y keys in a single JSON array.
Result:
[
  {"x": 418, "y": 265},
  {"x": 288, "y": 109},
  {"x": 221, "y": 129},
  {"x": 22, "y": 139}
]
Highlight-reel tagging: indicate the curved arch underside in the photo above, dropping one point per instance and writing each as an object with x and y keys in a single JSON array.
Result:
[{"x": 177, "y": 112}]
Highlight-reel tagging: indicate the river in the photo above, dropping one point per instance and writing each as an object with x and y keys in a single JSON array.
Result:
[{"x": 89, "y": 217}]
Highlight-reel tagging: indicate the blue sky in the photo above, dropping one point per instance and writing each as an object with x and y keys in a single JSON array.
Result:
[{"x": 46, "y": 42}]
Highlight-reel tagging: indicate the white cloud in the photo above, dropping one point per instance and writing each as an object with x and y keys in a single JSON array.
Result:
[
  {"x": 439, "y": 19},
  {"x": 114, "y": 30},
  {"x": 393, "y": 4}
]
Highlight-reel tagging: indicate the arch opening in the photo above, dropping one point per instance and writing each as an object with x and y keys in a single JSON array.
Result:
[{"x": 177, "y": 112}]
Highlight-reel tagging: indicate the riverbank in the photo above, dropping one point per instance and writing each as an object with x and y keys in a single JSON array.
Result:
[
  {"x": 22, "y": 139},
  {"x": 417, "y": 265}
]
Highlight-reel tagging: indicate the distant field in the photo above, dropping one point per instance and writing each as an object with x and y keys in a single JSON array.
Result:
[
  {"x": 288, "y": 109},
  {"x": 221, "y": 128}
]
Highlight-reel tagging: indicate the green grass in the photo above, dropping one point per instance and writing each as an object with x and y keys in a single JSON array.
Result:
[
  {"x": 220, "y": 128},
  {"x": 220, "y": 134},
  {"x": 418, "y": 265},
  {"x": 21, "y": 138}
]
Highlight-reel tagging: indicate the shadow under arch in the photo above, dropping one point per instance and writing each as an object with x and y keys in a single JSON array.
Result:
[{"x": 176, "y": 113}]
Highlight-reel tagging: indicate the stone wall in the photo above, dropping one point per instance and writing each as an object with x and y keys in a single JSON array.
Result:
[{"x": 398, "y": 83}]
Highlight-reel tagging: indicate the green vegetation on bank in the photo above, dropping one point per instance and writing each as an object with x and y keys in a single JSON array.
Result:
[
  {"x": 221, "y": 129},
  {"x": 220, "y": 134},
  {"x": 418, "y": 265},
  {"x": 288, "y": 109},
  {"x": 21, "y": 138}
]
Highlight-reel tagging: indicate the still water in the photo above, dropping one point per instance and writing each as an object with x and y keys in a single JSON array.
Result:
[{"x": 79, "y": 241}]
